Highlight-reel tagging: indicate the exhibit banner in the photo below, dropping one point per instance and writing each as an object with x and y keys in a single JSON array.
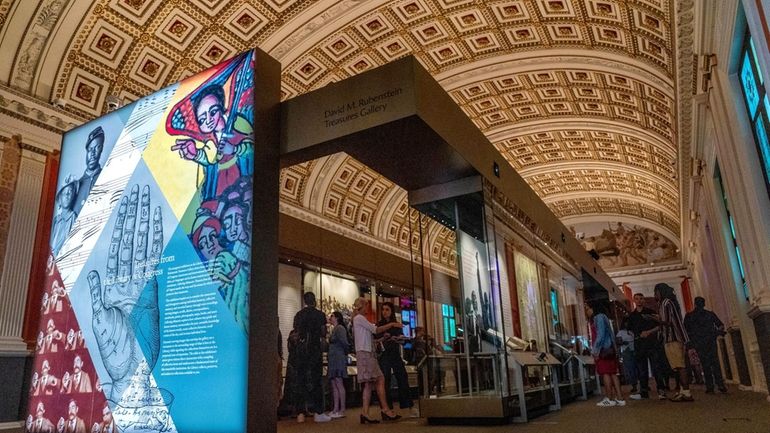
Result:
[
  {"x": 481, "y": 304},
  {"x": 145, "y": 309}
]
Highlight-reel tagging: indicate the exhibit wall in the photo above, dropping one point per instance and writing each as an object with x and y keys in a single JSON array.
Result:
[
  {"x": 289, "y": 301},
  {"x": 333, "y": 293},
  {"x": 528, "y": 288},
  {"x": 147, "y": 289}
]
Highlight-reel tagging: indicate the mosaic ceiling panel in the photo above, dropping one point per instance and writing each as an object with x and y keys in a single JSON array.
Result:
[{"x": 524, "y": 71}]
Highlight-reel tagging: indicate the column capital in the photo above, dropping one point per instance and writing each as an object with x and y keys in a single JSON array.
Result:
[{"x": 759, "y": 308}]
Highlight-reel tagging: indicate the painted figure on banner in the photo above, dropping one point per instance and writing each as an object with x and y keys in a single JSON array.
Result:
[
  {"x": 56, "y": 300},
  {"x": 73, "y": 423},
  {"x": 34, "y": 387},
  {"x": 215, "y": 122},
  {"x": 216, "y": 133},
  {"x": 81, "y": 381},
  {"x": 41, "y": 424},
  {"x": 39, "y": 347},
  {"x": 71, "y": 342},
  {"x": 108, "y": 424},
  {"x": 66, "y": 383},
  {"x": 94, "y": 148},
  {"x": 53, "y": 338},
  {"x": 48, "y": 383},
  {"x": 65, "y": 213},
  {"x": 223, "y": 266},
  {"x": 74, "y": 190}
]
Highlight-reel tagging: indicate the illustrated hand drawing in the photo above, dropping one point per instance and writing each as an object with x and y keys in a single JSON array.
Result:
[{"x": 125, "y": 303}]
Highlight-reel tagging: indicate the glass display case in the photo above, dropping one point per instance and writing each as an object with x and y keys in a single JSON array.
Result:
[{"x": 508, "y": 331}]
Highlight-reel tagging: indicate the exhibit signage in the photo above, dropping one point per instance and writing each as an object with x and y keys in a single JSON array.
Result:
[
  {"x": 145, "y": 314},
  {"x": 364, "y": 101}
]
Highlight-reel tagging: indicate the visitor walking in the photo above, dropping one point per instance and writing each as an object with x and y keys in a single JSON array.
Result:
[{"x": 603, "y": 350}]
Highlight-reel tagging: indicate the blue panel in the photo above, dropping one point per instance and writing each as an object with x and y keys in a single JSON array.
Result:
[
  {"x": 749, "y": 84},
  {"x": 756, "y": 62},
  {"x": 764, "y": 145}
]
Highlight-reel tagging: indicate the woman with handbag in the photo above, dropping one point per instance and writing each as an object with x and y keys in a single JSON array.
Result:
[
  {"x": 369, "y": 374},
  {"x": 603, "y": 350}
]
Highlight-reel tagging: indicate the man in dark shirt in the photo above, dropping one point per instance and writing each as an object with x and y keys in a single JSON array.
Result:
[
  {"x": 94, "y": 147},
  {"x": 704, "y": 327},
  {"x": 310, "y": 324},
  {"x": 647, "y": 347}
]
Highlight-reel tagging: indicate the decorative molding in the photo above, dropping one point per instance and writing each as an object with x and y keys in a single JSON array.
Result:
[
  {"x": 759, "y": 308},
  {"x": 286, "y": 42},
  {"x": 647, "y": 270},
  {"x": 685, "y": 32},
  {"x": 34, "y": 43},
  {"x": 537, "y": 61},
  {"x": 36, "y": 111}
]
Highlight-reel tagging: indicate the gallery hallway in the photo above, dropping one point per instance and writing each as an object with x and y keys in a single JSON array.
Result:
[{"x": 739, "y": 412}]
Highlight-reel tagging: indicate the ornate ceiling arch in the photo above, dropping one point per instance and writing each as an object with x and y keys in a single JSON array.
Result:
[{"x": 580, "y": 96}]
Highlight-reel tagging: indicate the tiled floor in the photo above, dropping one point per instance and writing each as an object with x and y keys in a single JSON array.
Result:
[{"x": 739, "y": 412}]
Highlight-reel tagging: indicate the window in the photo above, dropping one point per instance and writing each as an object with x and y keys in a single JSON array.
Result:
[
  {"x": 757, "y": 105},
  {"x": 723, "y": 192}
]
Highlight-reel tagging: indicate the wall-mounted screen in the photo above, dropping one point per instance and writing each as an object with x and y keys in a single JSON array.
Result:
[{"x": 146, "y": 302}]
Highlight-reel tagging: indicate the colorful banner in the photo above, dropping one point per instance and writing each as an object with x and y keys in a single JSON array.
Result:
[{"x": 145, "y": 312}]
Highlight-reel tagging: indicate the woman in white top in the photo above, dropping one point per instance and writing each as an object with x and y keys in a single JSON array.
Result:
[{"x": 366, "y": 362}]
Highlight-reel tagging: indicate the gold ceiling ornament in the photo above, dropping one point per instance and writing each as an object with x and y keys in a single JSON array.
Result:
[{"x": 558, "y": 86}]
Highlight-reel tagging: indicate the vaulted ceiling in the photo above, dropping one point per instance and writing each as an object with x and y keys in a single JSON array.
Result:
[{"x": 582, "y": 97}]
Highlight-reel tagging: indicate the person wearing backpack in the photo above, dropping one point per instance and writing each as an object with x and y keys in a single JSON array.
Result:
[{"x": 603, "y": 350}]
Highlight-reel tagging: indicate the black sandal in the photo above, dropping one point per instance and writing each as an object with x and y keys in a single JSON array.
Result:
[
  {"x": 386, "y": 417},
  {"x": 366, "y": 420}
]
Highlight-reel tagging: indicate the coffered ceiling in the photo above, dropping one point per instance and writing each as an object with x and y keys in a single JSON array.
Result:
[{"x": 582, "y": 97}]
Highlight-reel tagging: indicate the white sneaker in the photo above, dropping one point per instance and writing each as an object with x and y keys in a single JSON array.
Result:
[
  {"x": 335, "y": 415},
  {"x": 322, "y": 417},
  {"x": 301, "y": 417},
  {"x": 636, "y": 396},
  {"x": 662, "y": 396},
  {"x": 606, "y": 402},
  {"x": 414, "y": 413},
  {"x": 620, "y": 402}
]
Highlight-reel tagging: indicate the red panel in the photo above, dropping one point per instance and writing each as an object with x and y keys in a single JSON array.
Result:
[{"x": 686, "y": 295}]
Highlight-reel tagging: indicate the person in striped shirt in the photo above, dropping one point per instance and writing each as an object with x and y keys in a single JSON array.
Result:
[{"x": 674, "y": 336}]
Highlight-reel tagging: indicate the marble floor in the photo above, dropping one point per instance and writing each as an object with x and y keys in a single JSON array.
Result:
[{"x": 738, "y": 411}]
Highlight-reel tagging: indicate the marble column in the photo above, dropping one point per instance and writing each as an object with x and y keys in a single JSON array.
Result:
[{"x": 16, "y": 252}]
